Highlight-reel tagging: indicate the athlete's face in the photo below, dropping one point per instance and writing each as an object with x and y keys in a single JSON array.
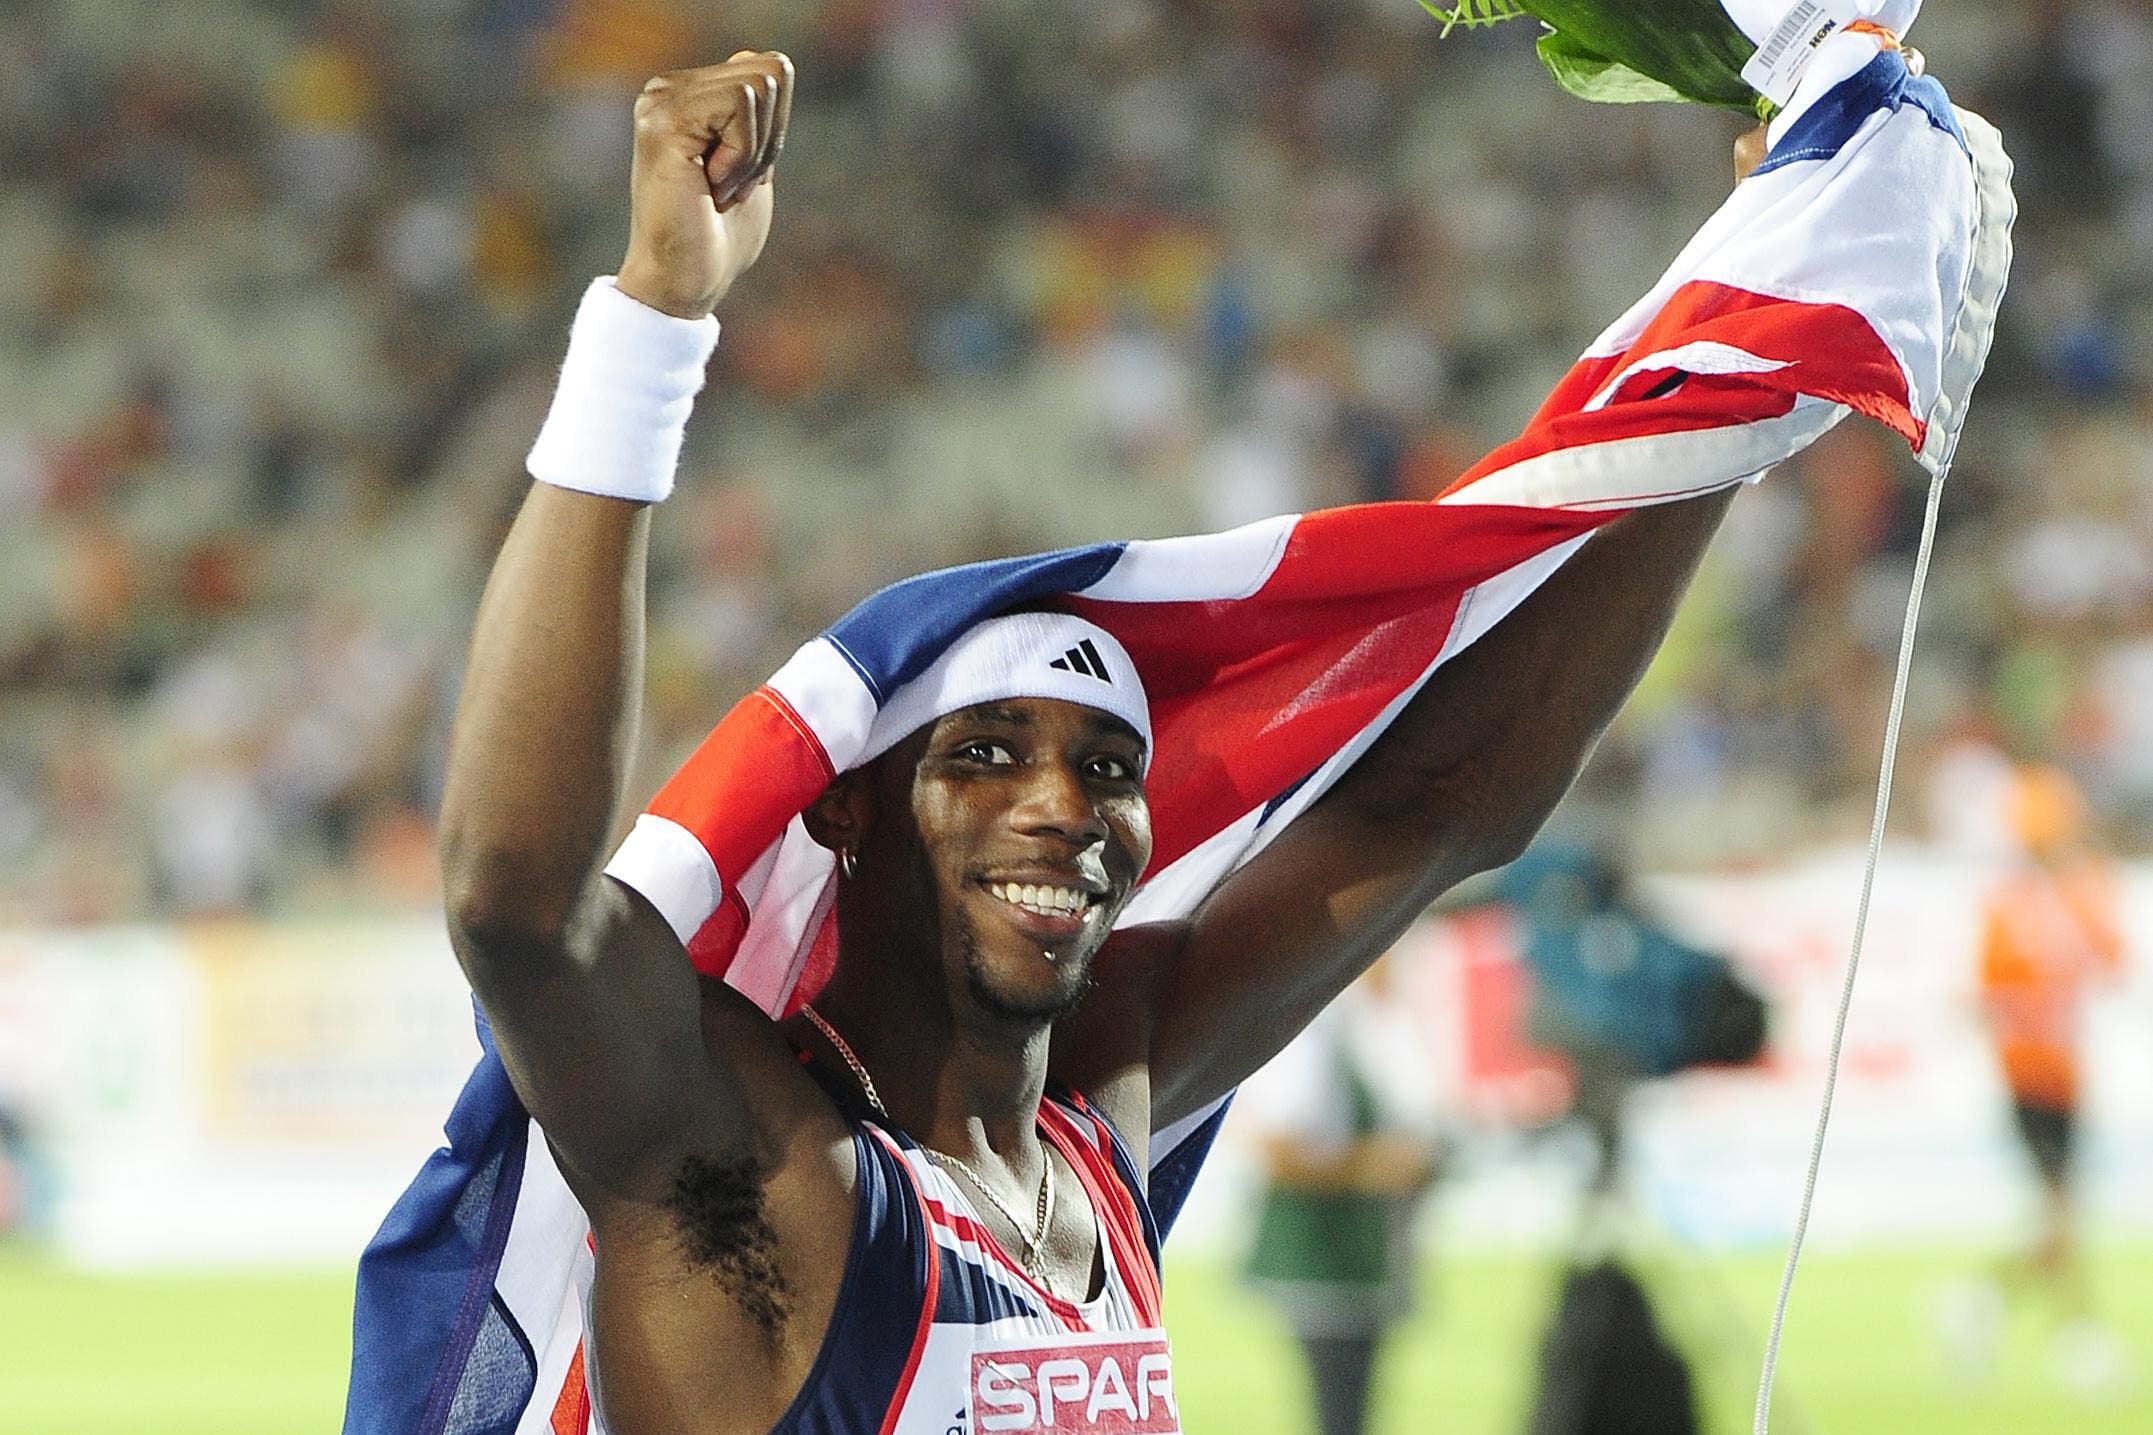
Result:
[{"x": 1031, "y": 830}]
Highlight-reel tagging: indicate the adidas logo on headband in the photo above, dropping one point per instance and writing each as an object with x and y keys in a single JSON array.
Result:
[{"x": 1085, "y": 659}]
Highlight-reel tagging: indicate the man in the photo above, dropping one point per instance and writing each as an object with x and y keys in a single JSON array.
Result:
[{"x": 915, "y": 1199}]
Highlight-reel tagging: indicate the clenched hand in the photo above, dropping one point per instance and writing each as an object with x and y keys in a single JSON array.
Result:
[{"x": 706, "y": 143}]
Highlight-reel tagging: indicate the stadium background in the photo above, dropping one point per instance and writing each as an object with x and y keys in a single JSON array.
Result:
[{"x": 284, "y": 285}]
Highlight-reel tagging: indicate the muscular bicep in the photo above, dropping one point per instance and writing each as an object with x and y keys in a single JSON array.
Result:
[{"x": 627, "y": 1059}]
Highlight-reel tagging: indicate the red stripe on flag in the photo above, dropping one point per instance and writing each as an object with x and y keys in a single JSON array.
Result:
[
  {"x": 717, "y": 941},
  {"x": 1829, "y": 350},
  {"x": 758, "y": 768},
  {"x": 820, "y": 965},
  {"x": 572, "y": 1412}
]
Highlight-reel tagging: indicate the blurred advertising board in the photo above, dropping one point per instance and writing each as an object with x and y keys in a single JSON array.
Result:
[{"x": 229, "y": 1092}]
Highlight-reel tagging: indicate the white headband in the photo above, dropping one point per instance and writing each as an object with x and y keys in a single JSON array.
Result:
[{"x": 1024, "y": 655}]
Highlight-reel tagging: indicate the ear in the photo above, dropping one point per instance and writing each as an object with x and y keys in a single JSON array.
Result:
[{"x": 838, "y": 819}]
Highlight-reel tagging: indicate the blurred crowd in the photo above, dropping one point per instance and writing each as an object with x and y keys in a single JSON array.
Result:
[{"x": 286, "y": 280}]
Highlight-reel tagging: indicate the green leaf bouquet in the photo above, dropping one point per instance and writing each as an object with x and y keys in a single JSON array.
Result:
[{"x": 1626, "y": 51}]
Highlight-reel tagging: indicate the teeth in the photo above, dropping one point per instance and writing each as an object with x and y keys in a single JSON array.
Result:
[{"x": 1046, "y": 901}]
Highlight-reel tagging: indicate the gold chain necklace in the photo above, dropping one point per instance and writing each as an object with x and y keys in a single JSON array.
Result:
[{"x": 1033, "y": 1243}]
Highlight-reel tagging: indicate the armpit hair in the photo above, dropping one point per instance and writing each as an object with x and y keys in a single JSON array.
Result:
[{"x": 719, "y": 1205}]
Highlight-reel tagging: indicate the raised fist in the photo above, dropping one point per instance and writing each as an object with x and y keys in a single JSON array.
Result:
[{"x": 706, "y": 142}]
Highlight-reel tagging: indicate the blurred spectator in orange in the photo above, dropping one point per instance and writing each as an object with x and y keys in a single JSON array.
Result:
[{"x": 2050, "y": 930}]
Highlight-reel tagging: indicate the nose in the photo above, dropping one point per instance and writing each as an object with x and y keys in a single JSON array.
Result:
[{"x": 1055, "y": 801}]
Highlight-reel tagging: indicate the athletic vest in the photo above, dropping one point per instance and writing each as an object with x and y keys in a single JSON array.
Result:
[{"x": 939, "y": 1331}]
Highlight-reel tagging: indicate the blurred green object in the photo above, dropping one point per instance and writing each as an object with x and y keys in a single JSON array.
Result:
[{"x": 1628, "y": 51}]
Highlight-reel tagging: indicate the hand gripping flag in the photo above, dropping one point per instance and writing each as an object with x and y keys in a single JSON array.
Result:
[{"x": 1858, "y": 270}]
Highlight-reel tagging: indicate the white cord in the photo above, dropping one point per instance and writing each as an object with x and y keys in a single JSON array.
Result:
[{"x": 1763, "y": 1422}]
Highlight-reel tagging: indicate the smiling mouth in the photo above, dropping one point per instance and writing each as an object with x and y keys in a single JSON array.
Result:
[{"x": 1042, "y": 900}]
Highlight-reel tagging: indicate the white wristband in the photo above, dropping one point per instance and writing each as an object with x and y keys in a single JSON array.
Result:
[{"x": 627, "y": 387}]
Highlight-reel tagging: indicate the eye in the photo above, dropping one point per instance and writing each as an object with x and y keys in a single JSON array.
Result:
[
  {"x": 1109, "y": 768},
  {"x": 985, "y": 753}
]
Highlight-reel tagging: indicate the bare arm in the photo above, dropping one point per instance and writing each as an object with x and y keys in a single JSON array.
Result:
[{"x": 592, "y": 1001}]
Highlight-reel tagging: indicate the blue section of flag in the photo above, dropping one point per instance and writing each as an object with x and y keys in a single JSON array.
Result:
[
  {"x": 1173, "y": 1174},
  {"x": 1830, "y": 124},
  {"x": 499, "y": 1377},
  {"x": 426, "y": 1281},
  {"x": 1270, "y": 809},
  {"x": 897, "y": 634}
]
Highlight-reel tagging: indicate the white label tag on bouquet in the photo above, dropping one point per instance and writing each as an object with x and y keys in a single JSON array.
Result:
[{"x": 1783, "y": 58}]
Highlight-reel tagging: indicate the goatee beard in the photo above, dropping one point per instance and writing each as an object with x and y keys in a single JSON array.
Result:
[{"x": 1044, "y": 1011}]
